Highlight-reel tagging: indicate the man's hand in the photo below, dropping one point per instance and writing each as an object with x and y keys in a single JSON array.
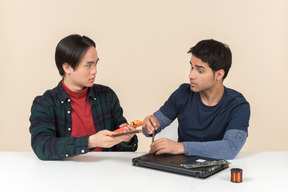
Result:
[
  {"x": 127, "y": 138},
  {"x": 149, "y": 123},
  {"x": 103, "y": 139},
  {"x": 165, "y": 145}
]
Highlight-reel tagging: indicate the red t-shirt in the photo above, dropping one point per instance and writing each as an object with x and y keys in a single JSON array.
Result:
[{"x": 82, "y": 120}]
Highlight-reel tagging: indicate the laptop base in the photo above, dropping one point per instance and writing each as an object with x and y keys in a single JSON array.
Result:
[{"x": 177, "y": 164}]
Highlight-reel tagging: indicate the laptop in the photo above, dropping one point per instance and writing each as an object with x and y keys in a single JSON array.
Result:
[{"x": 194, "y": 166}]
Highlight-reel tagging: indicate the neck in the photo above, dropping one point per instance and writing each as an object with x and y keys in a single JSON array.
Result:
[
  {"x": 72, "y": 86},
  {"x": 212, "y": 97}
]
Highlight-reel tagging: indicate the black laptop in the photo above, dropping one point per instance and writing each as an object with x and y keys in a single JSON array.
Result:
[{"x": 200, "y": 167}]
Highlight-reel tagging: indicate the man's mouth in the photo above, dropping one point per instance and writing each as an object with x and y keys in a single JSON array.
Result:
[{"x": 193, "y": 84}]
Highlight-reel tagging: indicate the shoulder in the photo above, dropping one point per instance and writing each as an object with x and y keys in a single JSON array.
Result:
[
  {"x": 50, "y": 99},
  {"x": 183, "y": 89},
  {"x": 234, "y": 95},
  {"x": 48, "y": 95},
  {"x": 235, "y": 100},
  {"x": 181, "y": 95},
  {"x": 102, "y": 91}
]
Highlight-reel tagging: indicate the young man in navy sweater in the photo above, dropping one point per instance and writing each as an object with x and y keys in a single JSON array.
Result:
[{"x": 213, "y": 119}]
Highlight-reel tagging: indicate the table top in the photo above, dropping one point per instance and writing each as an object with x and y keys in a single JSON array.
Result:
[{"x": 113, "y": 171}]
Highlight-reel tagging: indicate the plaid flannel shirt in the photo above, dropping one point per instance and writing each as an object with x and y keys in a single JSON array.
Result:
[{"x": 51, "y": 122}]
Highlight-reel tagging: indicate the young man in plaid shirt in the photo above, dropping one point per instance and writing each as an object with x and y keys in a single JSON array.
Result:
[{"x": 77, "y": 116}]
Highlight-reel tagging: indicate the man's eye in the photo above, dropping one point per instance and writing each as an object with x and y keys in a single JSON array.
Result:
[
  {"x": 89, "y": 65},
  {"x": 201, "y": 71}
]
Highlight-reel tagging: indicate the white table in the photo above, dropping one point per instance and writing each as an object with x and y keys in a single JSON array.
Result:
[{"x": 113, "y": 171}]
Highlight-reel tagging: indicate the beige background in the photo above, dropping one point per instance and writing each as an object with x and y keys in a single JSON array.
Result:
[{"x": 142, "y": 47}]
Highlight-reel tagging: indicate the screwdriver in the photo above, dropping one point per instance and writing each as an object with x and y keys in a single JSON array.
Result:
[{"x": 153, "y": 136}]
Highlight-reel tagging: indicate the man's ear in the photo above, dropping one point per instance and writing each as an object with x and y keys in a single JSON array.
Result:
[
  {"x": 220, "y": 74},
  {"x": 66, "y": 67}
]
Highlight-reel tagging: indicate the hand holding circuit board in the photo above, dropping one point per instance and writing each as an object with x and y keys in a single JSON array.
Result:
[{"x": 122, "y": 130}]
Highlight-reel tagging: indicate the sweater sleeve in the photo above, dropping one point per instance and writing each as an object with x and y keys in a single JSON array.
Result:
[{"x": 227, "y": 148}]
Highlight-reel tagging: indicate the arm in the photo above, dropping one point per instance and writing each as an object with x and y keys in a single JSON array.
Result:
[
  {"x": 44, "y": 140},
  {"x": 103, "y": 139},
  {"x": 233, "y": 139},
  {"x": 163, "y": 145},
  {"x": 129, "y": 142},
  {"x": 227, "y": 148},
  {"x": 158, "y": 120},
  {"x": 50, "y": 142}
]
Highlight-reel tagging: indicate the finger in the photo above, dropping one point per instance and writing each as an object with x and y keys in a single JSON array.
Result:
[
  {"x": 128, "y": 137},
  {"x": 116, "y": 140},
  {"x": 152, "y": 151},
  {"x": 106, "y": 132},
  {"x": 157, "y": 142},
  {"x": 156, "y": 151},
  {"x": 154, "y": 123},
  {"x": 123, "y": 125},
  {"x": 125, "y": 136},
  {"x": 130, "y": 128},
  {"x": 148, "y": 127},
  {"x": 161, "y": 151},
  {"x": 154, "y": 147},
  {"x": 159, "y": 145},
  {"x": 152, "y": 120}
]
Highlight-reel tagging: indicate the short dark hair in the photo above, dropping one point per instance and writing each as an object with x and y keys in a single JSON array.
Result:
[
  {"x": 216, "y": 54},
  {"x": 71, "y": 50}
]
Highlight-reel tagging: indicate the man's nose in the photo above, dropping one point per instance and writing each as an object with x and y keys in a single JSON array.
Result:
[
  {"x": 94, "y": 69},
  {"x": 192, "y": 74}
]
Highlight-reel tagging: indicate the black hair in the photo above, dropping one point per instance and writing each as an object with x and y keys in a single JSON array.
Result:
[
  {"x": 71, "y": 50},
  {"x": 216, "y": 54}
]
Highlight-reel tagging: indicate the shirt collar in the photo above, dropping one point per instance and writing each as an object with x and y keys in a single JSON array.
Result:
[
  {"x": 62, "y": 93},
  {"x": 64, "y": 96}
]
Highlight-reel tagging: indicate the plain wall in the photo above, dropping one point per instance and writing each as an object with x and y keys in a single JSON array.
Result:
[{"x": 143, "y": 47}]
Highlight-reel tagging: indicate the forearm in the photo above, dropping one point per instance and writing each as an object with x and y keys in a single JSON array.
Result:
[
  {"x": 48, "y": 147},
  {"x": 163, "y": 121},
  {"x": 227, "y": 148}
]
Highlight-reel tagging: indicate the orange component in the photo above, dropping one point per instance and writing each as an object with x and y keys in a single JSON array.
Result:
[
  {"x": 121, "y": 129},
  {"x": 136, "y": 123}
]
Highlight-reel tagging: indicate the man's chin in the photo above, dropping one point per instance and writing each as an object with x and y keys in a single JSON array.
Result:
[
  {"x": 90, "y": 84},
  {"x": 194, "y": 89}
]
